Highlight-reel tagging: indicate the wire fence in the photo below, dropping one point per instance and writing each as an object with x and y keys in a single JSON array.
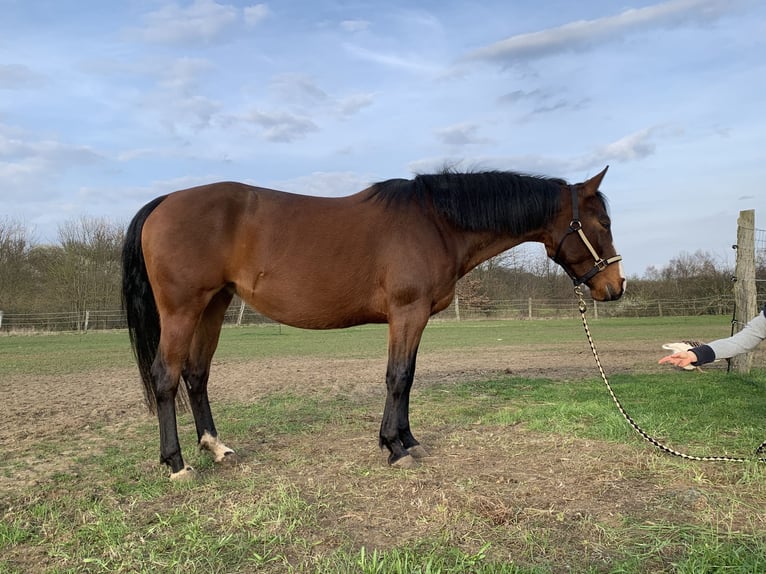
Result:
[
  {"x": 513, "y": 309},
  {"x": 760, "y": 261}
]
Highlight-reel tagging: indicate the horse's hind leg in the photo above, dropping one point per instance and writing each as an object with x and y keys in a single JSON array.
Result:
[
  {"x": 166, "y": 373},
  {"x": 197, "y": 371}
]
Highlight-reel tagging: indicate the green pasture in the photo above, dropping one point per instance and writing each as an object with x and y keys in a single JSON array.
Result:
[
  {"x": 76, "y": 352},
  {"x": 298, "y": 504}
]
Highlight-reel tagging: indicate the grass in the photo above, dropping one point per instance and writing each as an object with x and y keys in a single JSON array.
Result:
[
  {"x": 710, "y": 415},
  {"x": 115, "y": 515},
  {"x": 302, "y": 502},
  {"x": 71, "y": 353}
]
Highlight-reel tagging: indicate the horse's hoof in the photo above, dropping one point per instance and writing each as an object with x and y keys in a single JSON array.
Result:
[
  {"x": 187, "y": 473},
  {"x": 229, "y": 458},
  {"x": 407, "y": 462},
  {"x": 418, "y": 451}
]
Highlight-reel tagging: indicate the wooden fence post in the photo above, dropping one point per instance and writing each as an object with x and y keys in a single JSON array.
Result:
[
  {"x": 241, "y": 313},
  {"x": 744, "y": 286}
]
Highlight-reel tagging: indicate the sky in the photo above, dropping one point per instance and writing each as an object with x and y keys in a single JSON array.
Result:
[{"x": 106, "y": 105}]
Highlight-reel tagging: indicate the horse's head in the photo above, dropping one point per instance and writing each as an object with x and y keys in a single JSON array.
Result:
[{"x": 580, "y": 240}]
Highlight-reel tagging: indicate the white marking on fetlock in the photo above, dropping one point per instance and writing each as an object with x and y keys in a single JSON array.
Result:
[
  {"x": 186, "y": 473},
  {"x": 215, "y": 446}
]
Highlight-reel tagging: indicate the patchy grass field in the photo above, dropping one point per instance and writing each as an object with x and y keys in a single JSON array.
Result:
[{"x": 533, "y": 469}]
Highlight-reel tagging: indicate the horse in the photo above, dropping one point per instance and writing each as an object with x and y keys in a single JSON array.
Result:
[{"x": 391, "y": 253}]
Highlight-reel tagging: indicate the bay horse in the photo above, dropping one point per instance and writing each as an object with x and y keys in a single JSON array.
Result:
[{"x": 391, "y": 253}]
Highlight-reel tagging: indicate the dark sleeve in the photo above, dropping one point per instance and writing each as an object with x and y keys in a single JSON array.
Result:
[{"x": 705, "y": 354}]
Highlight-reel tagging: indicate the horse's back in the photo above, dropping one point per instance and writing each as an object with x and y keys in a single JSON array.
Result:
[{"x": 307, "y": 261}]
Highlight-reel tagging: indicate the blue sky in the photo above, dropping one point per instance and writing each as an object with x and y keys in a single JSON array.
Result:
[{"x": 105, "y": 105}]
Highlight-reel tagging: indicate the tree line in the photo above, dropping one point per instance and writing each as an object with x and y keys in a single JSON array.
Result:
[{"x": 81, "y": 271}]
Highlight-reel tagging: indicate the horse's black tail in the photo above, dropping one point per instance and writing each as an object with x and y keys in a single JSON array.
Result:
[{"x": 138, "y": 302}]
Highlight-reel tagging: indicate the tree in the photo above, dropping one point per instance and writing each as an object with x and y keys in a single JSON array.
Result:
[
  {"x": 692, "y": 276},
  {"x": 15, "y": 274},
  {"x": 469, "y": 294},
  {"x": 86, "y": 268}
]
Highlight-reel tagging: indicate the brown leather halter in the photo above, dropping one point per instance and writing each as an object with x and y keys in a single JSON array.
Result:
[{"x": 575, "y": 226}]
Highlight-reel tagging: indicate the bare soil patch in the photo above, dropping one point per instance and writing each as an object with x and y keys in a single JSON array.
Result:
[
  {"x": 546, "y": 498},
  {"x": 40, "y": 407}
]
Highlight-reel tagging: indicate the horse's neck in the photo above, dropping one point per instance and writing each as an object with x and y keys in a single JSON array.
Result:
[{"x": 476, "y": 248}]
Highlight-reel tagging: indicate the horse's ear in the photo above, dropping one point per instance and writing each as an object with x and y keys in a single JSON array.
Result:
[{"x": 592, "y": 185}]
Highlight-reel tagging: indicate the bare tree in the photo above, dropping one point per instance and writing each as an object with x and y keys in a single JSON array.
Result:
[
  {"x": 87, "y": 269},
  {"x": 692, "y": 276},
  {"x": 15, "y": 274},
  {"x": 469, "y": 293}
]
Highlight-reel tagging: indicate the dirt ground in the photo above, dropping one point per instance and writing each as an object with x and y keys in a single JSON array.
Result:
[
  {"x": 524, "y": 483},
  {"x": 71, "y": 408}
]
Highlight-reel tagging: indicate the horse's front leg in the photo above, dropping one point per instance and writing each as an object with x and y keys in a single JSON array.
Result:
[
  {"x": 395, "y": 433},
  {"x": 409, "y": 442}
]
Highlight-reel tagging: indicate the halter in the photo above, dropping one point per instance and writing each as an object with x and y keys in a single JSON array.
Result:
[{"x": 575, "y": 226}]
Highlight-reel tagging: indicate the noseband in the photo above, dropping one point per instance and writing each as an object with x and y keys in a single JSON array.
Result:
[{"x": 575, "y": 226}]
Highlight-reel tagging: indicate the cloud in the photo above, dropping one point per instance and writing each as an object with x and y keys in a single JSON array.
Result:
[
  {"x": 23, "y": 147},
  {"x": 256, "y": 14},
  {"x": 302, "y": 91},
  {"x": 460, "y": 135},
  {"x": 195, "y": 112},
  {"x": 298, "y": 88},
  {"x": 182, "y": 75},
  {"x": 634, "y": 146},
  {"x": 408, "y": 62},
  {"x": 201, "y": 21},
  {"x": 521, "y": 96},
  {"x": 543, "y": 102},
  {"x": 354, "y": 25},
  {"x": 18, "y": 77},
  {"x": 584, "y": 34},
  {"x": 27, "y": 162},
  {"x": 176, "y": 101},
  {"x": 325, "y": 184},
  {"x": 282, "y": 127},
  {"x": 350, "y": 105}
]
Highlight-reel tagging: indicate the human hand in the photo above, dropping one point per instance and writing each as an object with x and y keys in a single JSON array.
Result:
[{"x": 681, "y": 359}]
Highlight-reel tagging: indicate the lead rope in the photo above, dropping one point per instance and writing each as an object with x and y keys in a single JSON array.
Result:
[{"x": 632, "y": 423}]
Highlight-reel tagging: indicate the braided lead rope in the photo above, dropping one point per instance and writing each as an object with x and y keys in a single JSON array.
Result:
[{"x": 631, "y": 422}]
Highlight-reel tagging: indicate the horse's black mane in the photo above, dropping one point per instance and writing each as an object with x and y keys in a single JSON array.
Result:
[{"x": 479, "y": 201}]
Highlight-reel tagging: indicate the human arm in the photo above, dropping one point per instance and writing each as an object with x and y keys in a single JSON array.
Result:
[
  {"x": 742, "y": 342},
  {"x": 680, "y": 359}
]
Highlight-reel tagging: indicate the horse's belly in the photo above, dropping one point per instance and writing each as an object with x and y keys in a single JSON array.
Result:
[{"x": 314, "y": 306}]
